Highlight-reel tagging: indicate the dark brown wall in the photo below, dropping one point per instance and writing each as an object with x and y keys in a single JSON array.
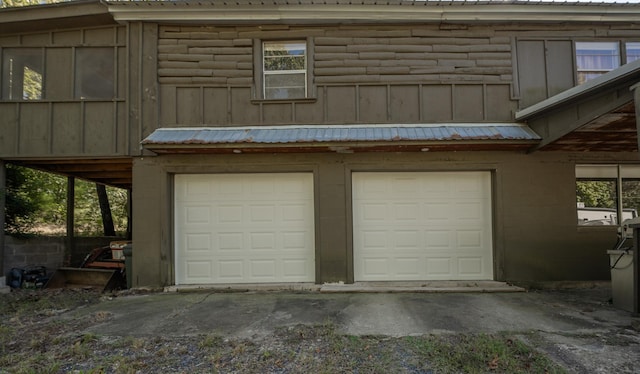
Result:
[
  {"x": 61, "y": 125},
  {"x": 546, "y": 58},
  {"x": 367, "y": 74},
  {"x": 536, "y": 237}
]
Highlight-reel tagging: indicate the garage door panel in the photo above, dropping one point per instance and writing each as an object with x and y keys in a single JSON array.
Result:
[
  {"x": 374, "y": 240},
  {"x": 230, "y": 270},
  {"x": 198, "y": 242},
  {"x": 439, "y": 268},
  {"x": 408, "y": 266},
  {"x": 470, "y": 239},
  {"x": 259, "y": 227},
  {"x": 422, "y": 226},
  {"x": 199, "y": 269},
  {"x": 471, "y": 266}
]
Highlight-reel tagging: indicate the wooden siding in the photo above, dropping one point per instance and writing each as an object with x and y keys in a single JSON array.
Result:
[
  {"x": 546, "y": 58},
  {"x": 372, "y": 74},
  {"x": 382, "y": 74},
  {"x": 60, "y": 124}
]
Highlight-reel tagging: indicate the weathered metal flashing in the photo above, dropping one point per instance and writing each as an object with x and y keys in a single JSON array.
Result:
[{"x": 316, "y": 11}]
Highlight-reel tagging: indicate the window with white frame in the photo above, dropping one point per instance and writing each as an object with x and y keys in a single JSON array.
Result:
[
  {"x": 606, "y": 192},
  {"x": 633, "y": 51},
  {"x": 596, "y": 58},
  {"x": 284, "y": 70}
]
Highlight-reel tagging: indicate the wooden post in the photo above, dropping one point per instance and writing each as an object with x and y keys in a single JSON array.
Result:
[
  {"x": 3, "y": 201},
  {"x": 129, "y": 214},
  {"x": 636, "y": 99},
  {"x": 71, "y": 199},
  {"x": 636, "y": 268}
]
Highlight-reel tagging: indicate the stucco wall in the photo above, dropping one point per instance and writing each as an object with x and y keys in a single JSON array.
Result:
[{"x": 536, "y": 237}]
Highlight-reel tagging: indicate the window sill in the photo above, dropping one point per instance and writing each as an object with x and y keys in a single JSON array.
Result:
[
  {"x": 597, "y": 228},
  {"x": 284, "y": 101}
]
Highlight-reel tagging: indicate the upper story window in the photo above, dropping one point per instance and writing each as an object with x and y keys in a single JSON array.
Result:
[
  {"x": 95, "y": 73},
  {"x": 80, "y": 73},
  {"x": 284, "y": 70},
  {"x": 596, "y": 58},
  {"x": 22, "y": 74}
]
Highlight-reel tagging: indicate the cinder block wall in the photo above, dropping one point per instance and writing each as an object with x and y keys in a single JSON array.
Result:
[{"x": 48, "y": 251}]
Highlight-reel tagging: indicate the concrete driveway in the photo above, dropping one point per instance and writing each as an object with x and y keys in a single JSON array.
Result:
[{"x": 577, "y": 328}]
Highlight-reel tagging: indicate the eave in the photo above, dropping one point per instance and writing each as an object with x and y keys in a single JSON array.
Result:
[
  {"x": 599, "y": 115},
  {"x": 83, "y": 13},
  {"x": 368, "y": 11}
]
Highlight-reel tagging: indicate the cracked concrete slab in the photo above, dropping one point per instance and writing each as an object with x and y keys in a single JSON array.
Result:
[{"x": 577, "y": 328}]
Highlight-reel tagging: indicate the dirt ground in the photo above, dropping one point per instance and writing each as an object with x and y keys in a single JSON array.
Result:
[{"x": 50, "y": 332}]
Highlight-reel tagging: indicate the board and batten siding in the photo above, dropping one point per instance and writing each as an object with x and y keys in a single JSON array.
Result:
[
  {"x": 373, "y": 74},
  {"x": 60, "y": 124}
]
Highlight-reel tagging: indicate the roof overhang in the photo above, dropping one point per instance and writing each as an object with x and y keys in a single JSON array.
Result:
[
  {"x": 371, "y": 11},
  {"x": 63, "y": 15},
  {"x": 599, "y": 115},
  {"x": 116, "y": 172},
  {"x": 341, "y": 138}
]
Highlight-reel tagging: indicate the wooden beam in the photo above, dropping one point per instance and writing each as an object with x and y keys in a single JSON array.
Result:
[
  {"x": 3, "y": 200},
  {"x": 71, "y": 197},
  {"x": 636, "y": 100},
  {"x": 561, "y": 123}
]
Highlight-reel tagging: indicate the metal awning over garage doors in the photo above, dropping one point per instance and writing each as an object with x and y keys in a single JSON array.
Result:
[
  {"x": 422, "y": 226},
  {"x": 244, "y": 228}
]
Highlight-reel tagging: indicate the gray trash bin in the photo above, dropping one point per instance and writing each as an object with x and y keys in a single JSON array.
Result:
[{"x": 621, "y": 264}]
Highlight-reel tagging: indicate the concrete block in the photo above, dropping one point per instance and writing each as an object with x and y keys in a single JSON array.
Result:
[{"x": 3, "y": 285}]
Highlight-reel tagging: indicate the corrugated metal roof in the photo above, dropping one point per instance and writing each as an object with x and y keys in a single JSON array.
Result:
[{"x": 291, "y": 135}]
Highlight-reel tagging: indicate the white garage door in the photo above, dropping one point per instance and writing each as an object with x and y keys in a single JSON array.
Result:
[
  {"x": 422, "y": 226},
  {"x": 244, "y": 228}
]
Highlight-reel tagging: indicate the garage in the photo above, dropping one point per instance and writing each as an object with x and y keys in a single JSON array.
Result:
[
  {"x": 244, "y": 228},
  {"x": 414, "y": 226}
]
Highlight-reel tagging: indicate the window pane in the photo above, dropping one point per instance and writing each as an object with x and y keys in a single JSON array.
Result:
[
  {"x": 633, "y": 51},
  {"x": 276, "y": 63},
  {"x": 284, "y": 70},
  {"x": 94, "y": 73},
  {"x": 596, "y": 58},
  {"x": 596, "y": 201},
  {"x": 22, "y": 74},
  {"x": 285, "y": 80},
  {"x": 630, "y": 198},
  {"x": 284, "y": 86}
]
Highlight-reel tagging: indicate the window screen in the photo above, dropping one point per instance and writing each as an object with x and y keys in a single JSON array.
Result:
[
  {"x": 94, "y": 73},
  {"x": 22, "y": 74}
]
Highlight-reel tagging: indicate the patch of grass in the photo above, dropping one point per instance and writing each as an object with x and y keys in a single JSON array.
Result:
[
  {"x": 31, "y": 303},
  {"x": 42, "y": 342},
  {"x": 210, "y": 341},
  {"x": 477, "y": 353}
]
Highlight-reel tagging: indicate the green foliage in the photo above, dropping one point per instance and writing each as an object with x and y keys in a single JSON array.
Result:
[
  {"x": 36, "y": 204},
  {"x": 22, "y": 199},
  {"x": 601, "y": 194},
  {"x": 18, "y": 3},
  {"x": 631, "y": 194}
]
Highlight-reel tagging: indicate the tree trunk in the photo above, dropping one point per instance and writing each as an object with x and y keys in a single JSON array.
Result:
[{"x": 105, "y": 210}]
